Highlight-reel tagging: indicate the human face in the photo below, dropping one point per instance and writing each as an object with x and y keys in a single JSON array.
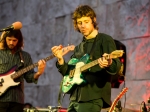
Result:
[
  {"x": 11, "y": 42},
  {"x": 85, "y": 25}
]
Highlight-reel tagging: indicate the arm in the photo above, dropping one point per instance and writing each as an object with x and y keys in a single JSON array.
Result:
[
  {"x": 60, "y": 64},
  {"x": 32, "y": 76},
  {"x": 41, "y": 68},
  {"x": 112, "y": 66},
  {"x": 58, "y": 53}
]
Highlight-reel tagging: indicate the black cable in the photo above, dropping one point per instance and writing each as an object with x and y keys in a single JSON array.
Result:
[{"x": 125, "y": 94}]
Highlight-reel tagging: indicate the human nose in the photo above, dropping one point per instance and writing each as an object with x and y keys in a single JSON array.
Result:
[
  {"x": 82, "y": 25},
  {"x": 11, "y": 42}
]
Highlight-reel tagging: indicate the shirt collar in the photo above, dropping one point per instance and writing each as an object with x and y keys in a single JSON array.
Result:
[{"x": 88, "y": 40}]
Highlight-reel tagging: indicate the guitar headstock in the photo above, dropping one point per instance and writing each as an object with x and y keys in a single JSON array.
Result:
[
  {"x": 116, "y": 53},
  {"x": 68, "y": 48}
]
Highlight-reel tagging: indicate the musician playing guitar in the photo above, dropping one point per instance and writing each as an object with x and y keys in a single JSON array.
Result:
[
  {"x": 12, "y": 58},
  {"x": 92, "y": 88}
]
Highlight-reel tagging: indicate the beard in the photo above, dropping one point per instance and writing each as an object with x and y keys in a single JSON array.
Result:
[{"x": 11, "y": 46}]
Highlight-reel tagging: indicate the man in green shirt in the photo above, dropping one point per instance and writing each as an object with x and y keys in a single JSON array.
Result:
[
  {"x": 96, "y": 92},
  {"x": 12, "y": 57}
]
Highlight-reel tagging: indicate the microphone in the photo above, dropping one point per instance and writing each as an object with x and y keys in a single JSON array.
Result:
[{"x": 15, "y": 26}]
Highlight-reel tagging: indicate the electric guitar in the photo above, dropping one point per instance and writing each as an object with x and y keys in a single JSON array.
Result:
[
  {"x": 74, "y": 77},
  {"x": 7, "y": 79},
  {"x": 117, "y": 99}
]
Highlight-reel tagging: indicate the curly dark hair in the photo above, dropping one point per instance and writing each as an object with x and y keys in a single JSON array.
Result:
[
  {"x": 17, "y": 34},
  {"x": 84, "y": 11}
]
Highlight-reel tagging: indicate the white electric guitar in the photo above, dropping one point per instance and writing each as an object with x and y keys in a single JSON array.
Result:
[{"x": 7, "y": 79}]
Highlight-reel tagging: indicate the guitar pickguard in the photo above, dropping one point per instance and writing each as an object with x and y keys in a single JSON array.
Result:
[{"x": 74, "y": 76}]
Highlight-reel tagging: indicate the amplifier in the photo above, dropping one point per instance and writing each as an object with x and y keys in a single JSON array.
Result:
[{"x": 48, "y": 109}]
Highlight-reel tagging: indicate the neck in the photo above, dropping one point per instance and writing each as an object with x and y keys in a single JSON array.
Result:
[
  {"x": 14, "y": 50},
  {"x": 92, "y": 34}
]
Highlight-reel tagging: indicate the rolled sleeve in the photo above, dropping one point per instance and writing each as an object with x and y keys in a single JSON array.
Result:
[
  {"x": 62, "y": 68},
  {"x": 114, "y": 67}
]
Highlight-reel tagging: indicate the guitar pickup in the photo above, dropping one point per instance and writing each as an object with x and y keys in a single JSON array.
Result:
[{"x": 71, "y": 73}]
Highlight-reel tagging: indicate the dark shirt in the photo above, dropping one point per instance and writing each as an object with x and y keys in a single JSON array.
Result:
[
  {"x": 9, "y": 60},
  {"x": 98, "y": 78}
]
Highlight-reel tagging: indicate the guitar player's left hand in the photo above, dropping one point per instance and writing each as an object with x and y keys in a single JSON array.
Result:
[
  {"x": 103, "y": 62},
  {"x": 41, "y": 68}
]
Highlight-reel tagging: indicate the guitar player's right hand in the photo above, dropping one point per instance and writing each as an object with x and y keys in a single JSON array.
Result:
[
  {"x": 58, "y": 53},
  {"x": 102, "y": 62}
]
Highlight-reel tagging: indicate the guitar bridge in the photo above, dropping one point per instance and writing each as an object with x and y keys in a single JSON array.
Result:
[{"x": 67, "y": 84}]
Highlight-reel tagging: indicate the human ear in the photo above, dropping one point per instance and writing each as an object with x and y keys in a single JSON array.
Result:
[{"x": 94, "y": 19}]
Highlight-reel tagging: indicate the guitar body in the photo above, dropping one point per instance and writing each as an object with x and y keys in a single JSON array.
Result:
[
  {"x": 69, "y": 83},
  {"x": 6, "y": 81}
]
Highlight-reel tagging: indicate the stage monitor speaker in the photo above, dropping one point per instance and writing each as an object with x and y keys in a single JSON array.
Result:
[{"x": 120, "y": 76}]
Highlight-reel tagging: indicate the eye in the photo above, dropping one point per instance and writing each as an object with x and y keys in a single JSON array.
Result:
[
  {"x": 86, "y": 21},
  {"x": 79, "y": 23}
]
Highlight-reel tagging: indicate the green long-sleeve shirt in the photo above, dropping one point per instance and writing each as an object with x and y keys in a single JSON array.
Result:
[
  {"x": 98, "y": 78},
  {"x": 9, "y": 60}
]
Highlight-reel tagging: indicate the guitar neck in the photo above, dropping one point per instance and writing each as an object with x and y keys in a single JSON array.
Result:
[
  {"x": 93, "y": 63},
  {"x": 117, "y": 99},
  {"x": 24, "y": 70}
]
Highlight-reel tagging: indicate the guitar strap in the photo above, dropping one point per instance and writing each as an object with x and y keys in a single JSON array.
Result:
[
  {"x": 21, "y": 64},
  {"x": 59, "y": 94},
  {"x": 21, "y": 59},
  {"x": 92, "y": 49}
]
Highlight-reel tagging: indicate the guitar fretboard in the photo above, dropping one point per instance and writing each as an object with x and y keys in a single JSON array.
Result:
[
  {"x": 93, "y": 63},
  {"x": 24, "y": 70}
]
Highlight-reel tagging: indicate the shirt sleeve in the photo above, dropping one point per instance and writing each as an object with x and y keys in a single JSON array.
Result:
[
  {"x": 62, "y": 68},
  {"x": 109, "y": 46},
  {"x": 114, "y": 67},
  {"x": 29, "y": 76}
]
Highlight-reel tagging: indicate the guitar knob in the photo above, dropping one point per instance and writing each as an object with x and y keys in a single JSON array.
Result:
[
  {"x": 68, "y": 83},
  {"x": 2, "y": 80}
]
